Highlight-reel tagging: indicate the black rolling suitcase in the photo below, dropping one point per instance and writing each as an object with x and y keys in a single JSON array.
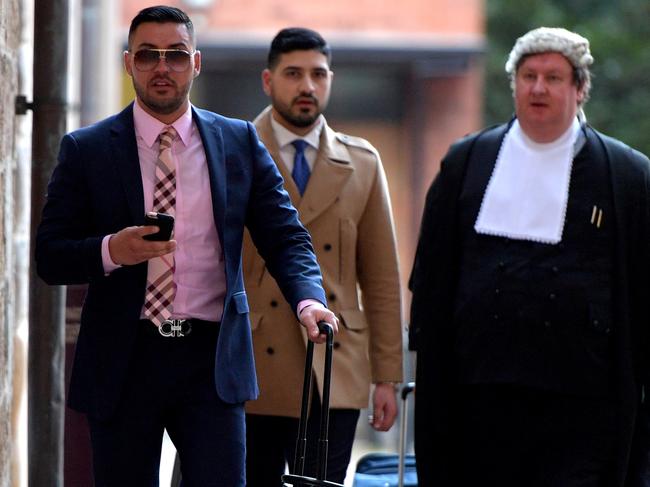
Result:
[
  {"x": 389, "y": 469},
  {"x": 298, "y": 479}
]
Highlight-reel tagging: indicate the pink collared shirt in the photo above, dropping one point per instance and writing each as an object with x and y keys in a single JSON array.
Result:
[{"x": 200, "y": 273}]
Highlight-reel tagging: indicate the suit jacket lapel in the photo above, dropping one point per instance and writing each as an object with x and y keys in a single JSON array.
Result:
[
  {"x": 212, "y": 138},
  {"x": 124, "y": 150}
]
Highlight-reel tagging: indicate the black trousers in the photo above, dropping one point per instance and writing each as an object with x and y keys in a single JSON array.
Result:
[
  {"x": 511, "y": 436},
  {"x": 271, "y": 444},
  {"x": 171, "y": 386}
]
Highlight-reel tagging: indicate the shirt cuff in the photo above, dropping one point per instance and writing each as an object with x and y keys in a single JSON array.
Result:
[
  {"x": 109, "y": 265},
  {"x": 308, "y": 302}
]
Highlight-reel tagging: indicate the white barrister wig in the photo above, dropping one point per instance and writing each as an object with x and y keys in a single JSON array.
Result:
[{"x": 551, "y": 39}]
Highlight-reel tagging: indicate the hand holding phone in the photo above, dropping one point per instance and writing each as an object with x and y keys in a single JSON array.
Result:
[{"x": 163, "y": 221}]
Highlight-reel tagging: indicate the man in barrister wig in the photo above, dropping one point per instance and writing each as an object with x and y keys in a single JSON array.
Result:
[{"x": 531, "y": 293}]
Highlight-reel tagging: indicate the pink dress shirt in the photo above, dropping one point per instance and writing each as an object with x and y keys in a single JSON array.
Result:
[{"x": 199, "y": 275}]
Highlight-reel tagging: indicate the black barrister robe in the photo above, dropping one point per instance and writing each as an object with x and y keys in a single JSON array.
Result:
[{"x": 434, "y": 281}]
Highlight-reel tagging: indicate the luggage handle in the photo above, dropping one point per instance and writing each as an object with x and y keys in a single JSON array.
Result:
[
  {"x": 301, "y": 442},
  {"x": 406, "y": 390}
]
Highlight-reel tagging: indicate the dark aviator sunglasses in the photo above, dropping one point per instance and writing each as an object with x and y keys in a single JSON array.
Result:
[{"x": 147, "y": 59}]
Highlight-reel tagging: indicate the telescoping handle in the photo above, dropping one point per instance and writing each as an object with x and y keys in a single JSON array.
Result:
[
  {"x": 297, "y": 479},
  {"x": 325, "y": 411},
  {"x": 406, "y": 390}
]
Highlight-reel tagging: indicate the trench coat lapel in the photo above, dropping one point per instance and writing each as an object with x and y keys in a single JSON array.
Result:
[
  {"x": 266, "y": 135},
  {"x": 331, "y": 170}
]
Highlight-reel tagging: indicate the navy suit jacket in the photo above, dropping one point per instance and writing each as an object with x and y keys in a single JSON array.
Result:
[{"x": 96, "y": 190}]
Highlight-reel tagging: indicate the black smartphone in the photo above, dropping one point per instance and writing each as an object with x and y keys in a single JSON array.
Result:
[{"x": 161, "y": 220}]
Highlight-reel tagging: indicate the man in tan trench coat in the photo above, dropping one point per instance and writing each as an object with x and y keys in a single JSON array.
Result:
[{"x": 338, "y": 185}]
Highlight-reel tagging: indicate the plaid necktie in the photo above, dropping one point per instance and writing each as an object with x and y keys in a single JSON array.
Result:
[
  {"x": 161, "y": 290},
  {"x": 300, "y": 171}
]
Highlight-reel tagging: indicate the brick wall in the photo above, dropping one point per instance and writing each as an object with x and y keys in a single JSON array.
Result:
[{"x": 407, "y": 16}]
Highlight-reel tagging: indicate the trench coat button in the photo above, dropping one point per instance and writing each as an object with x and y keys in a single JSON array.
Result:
[
  {"x": 497, "y": 291},
  {"x": 327, "y": 247},
  {"x": 337, "y": 345},
  {"x": 501, "y": 265},
  {"x": 270, "y": 350},
  {"x": 332, "y": 297},
  {"x": 274, "y": 304},
  {"x": 555, "y": 269},
  {"x": 596, "y": 323},
  {"x": 552, "y": 296},
  {"x": 495, "y": 317},
  {"x": 547, "y": 324}
]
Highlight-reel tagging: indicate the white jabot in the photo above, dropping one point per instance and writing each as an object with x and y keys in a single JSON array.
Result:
[{"x": 526, "y": 198}]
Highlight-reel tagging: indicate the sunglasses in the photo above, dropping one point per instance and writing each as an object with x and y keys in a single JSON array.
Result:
[{"x": 147, "y": 59}]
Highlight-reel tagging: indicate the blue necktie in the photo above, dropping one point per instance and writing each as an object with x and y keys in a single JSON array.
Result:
[{"x": 300, "y": 172}]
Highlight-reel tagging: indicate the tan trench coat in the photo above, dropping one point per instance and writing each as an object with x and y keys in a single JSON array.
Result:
[{"x": 346, "y": 208}]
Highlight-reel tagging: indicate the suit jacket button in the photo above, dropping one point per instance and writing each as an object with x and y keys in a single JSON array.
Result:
[
  {"x": 332, "y": 297},
  {"x": 270, "y": 350},
  {"x": 337, "y": 345},
  {"x": 327, "y": 247},
  {"x": 274, "y": 304}
]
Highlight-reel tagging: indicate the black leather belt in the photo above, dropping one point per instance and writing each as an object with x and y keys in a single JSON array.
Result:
[{"x": 181, "y": 328}]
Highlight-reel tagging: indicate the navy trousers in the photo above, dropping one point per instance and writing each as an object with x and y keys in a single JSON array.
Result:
[{"x": 171, "y": 386}]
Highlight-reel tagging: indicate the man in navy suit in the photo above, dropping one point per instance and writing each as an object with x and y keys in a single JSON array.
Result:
[{"x": 186, "y": 365}]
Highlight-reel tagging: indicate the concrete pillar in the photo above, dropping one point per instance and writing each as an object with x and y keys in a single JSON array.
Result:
[{"x": 98, "y": 80}]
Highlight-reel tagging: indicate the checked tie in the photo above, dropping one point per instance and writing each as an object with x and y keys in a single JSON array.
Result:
[
  {"x": 300, "y": 171},
  {"x": 161, "y": 290}
]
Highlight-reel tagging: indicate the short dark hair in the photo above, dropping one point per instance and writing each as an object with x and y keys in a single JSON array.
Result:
[
  {"x": 162, "y": 14},
  {"x": 297, "y": 39}
]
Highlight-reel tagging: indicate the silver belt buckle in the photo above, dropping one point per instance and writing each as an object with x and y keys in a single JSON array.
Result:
[{"x": 175, "y": 328}]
